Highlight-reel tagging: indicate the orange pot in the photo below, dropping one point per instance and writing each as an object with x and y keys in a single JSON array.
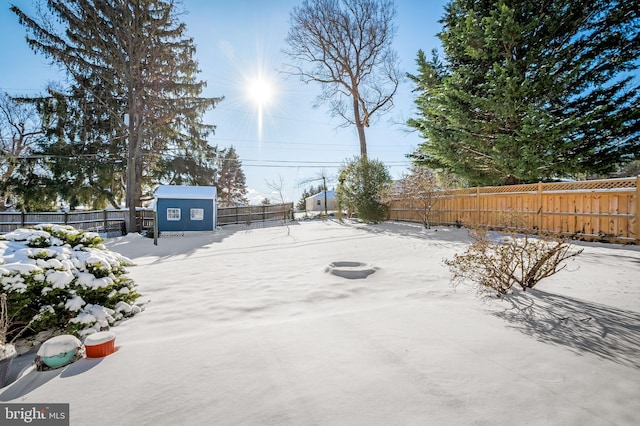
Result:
[{"x": 100, "y": 344}]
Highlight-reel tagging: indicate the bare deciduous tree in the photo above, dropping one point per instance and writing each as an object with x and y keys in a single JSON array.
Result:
[
  {"x": 345, "y": 45},
  {"x": 20, "y": 128}
]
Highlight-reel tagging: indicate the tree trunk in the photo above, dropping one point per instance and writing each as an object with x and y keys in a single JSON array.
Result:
[
  {"x": 132, "y": 150},
  {"x": 131, "y": 175},
  {"x": 360, "y": 127}
]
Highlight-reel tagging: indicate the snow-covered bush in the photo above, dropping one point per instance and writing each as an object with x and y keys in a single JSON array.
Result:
[
  {"x": 498, "y": 262},
  {"x": 56, "y": 276},
  {"x": 7, "y": 349}
]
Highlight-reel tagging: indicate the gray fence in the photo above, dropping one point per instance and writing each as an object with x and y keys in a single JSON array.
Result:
[
  {"x": 112, "y": 222},
  {"x": 252, "y": 214},
  {"x": 109, "y": 221}
]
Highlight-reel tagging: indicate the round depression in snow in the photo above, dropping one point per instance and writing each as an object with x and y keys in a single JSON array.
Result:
[{"x": 351, "y": 270}]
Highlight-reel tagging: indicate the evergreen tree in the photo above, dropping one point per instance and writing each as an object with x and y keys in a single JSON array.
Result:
[
  {"x": 231, "y": 183},
  {"x": 530, "y": 91},
  {"x": 126, "y": 59},
  {"x": 33, "y": 190},
  {"x": 184, "y": 166},
  {"x": 84, "y": 148},
  {"x": 361, "y": 183}
]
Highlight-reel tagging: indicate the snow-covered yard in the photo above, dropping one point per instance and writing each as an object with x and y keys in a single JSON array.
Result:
[{"x": 249, "y": 326}]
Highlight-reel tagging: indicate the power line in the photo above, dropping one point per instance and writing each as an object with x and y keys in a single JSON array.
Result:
[
  {"x": 313, "y": 145},
  {"x": 252, "y": 162}
]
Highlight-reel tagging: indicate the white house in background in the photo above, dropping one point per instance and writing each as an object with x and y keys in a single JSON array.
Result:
[{"x": 315, "y": 203}]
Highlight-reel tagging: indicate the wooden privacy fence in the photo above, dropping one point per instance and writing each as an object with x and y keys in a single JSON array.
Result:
[
  {"x": 112, "y": 222},
  {"x": 604, "y": 210}
]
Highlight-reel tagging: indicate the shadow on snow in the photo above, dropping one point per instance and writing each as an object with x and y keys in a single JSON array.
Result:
[{"x": 581, "y": 326}]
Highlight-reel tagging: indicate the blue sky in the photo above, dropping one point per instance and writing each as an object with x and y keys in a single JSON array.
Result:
[{"x": 239, "y": 41}]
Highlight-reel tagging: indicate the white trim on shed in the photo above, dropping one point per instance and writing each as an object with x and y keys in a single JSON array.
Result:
[{"x": 186, "y": 192}]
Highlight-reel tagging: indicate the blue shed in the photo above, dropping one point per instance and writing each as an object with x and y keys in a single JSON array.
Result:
[{"x": 185, "y": 208}]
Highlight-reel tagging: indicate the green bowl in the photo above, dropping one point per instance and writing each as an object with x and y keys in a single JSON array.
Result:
[{"x": 60, "y": 360}]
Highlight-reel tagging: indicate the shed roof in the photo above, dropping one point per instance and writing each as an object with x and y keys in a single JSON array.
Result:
[
  {"x": 186, "y": 192},
  {"x": 330, "y": 194}
]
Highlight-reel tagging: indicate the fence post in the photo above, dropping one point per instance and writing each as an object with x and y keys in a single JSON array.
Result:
[
  {"x": 104, "y": 216},
  {"x": 66, "y": 218},
  {"x": 637, "y": 208},
  {"x": 477, "y": 206},
  {"x": 539, "y": 215},
  {"x": 155, "y": 227},
  {"x": 22, "y": 218}
]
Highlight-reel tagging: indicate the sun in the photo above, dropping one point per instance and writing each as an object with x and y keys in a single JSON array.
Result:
[{"x": 260, "y": 91}]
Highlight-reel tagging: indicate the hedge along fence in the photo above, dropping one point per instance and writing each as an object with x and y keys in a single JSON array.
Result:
[{"x": 603, "y": 210}]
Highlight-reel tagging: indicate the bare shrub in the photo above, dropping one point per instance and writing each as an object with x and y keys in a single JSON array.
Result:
[
  {"x": 276, "y": 187},
  {"x": 418, "y": 190},
  {"x": 500, "y": 263}
]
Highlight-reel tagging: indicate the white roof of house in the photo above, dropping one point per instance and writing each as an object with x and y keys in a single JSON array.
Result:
[{"x": 186, "y": 192}]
